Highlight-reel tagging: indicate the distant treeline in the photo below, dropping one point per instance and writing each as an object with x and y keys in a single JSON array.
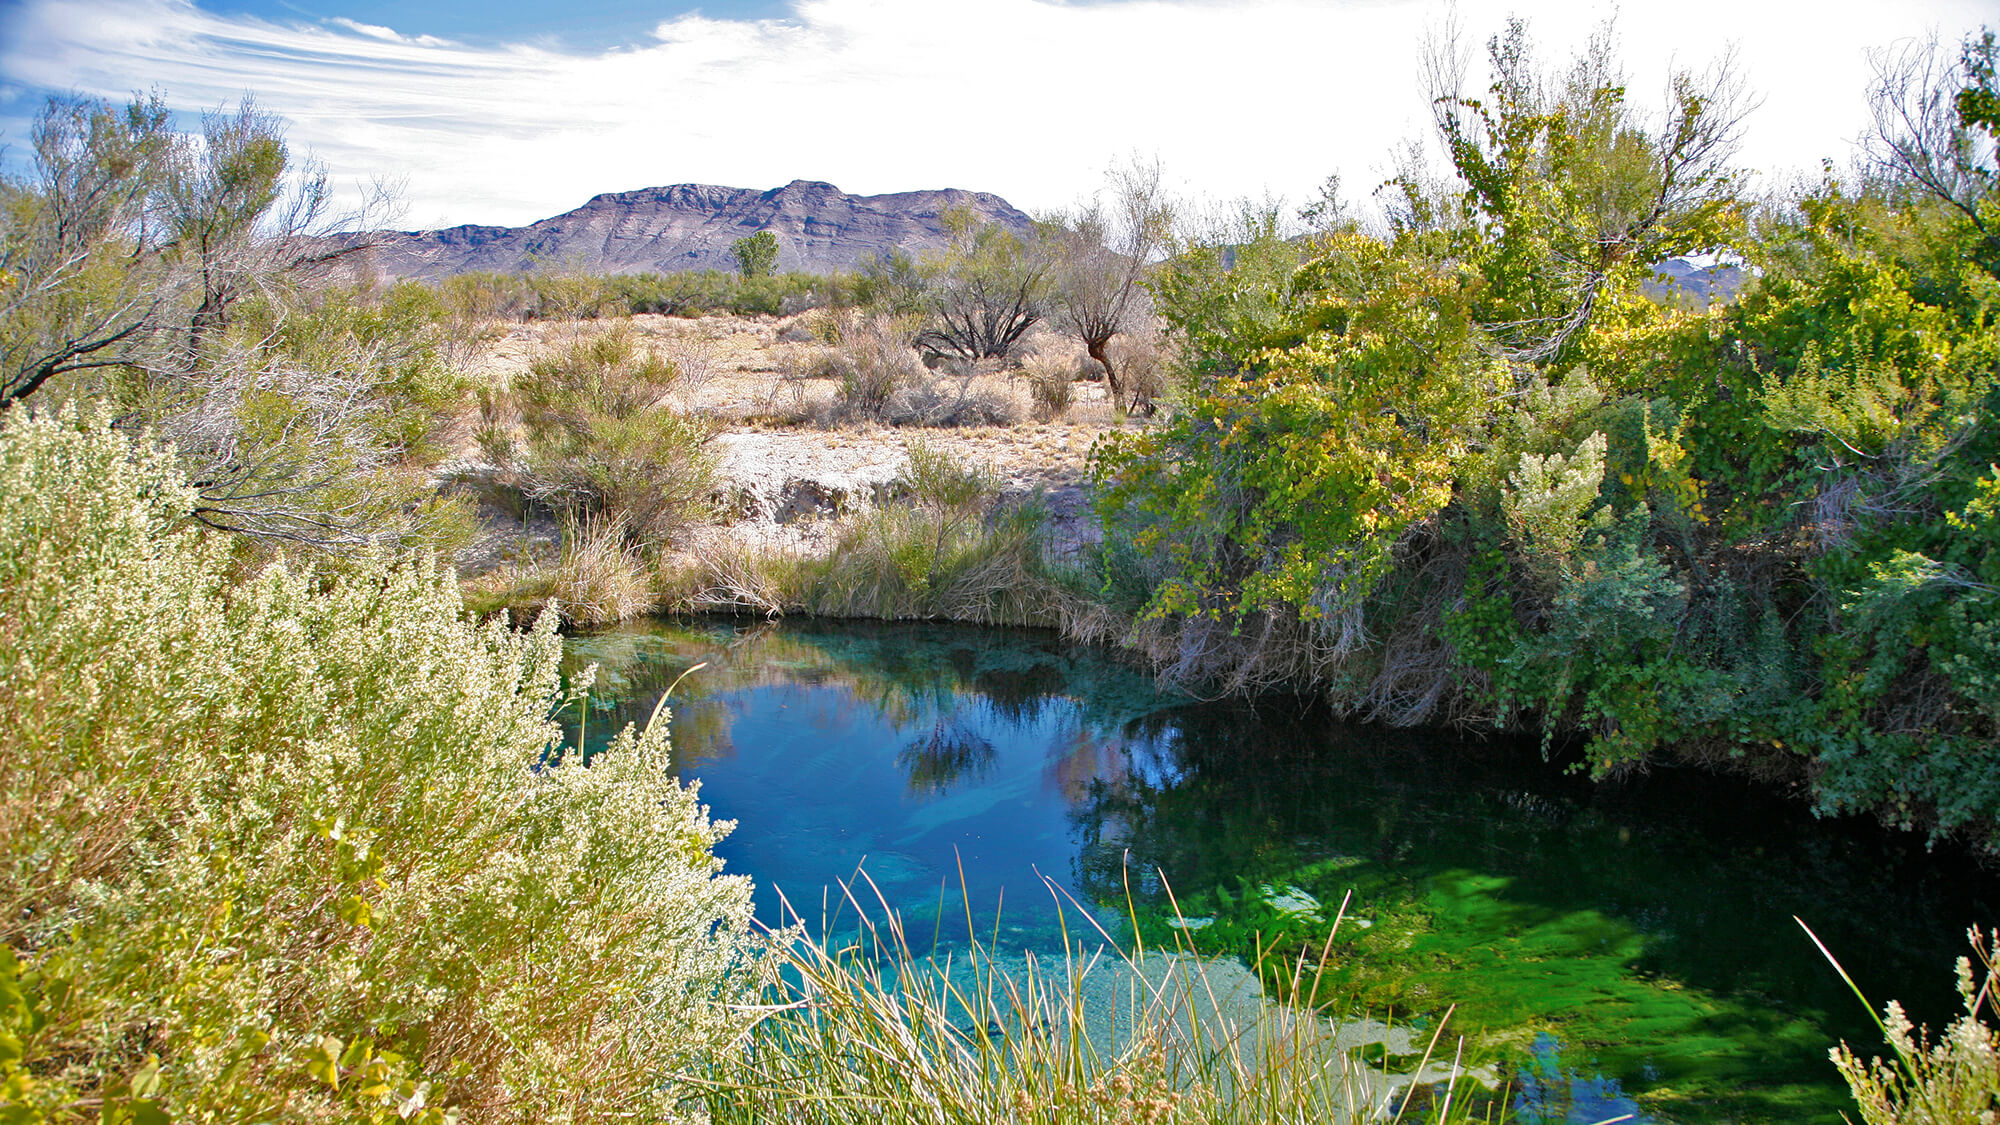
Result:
[{"x": 561, "y": 294}]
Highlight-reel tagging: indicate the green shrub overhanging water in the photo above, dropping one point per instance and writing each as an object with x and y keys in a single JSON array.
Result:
[
  {"x": 303, "y": 845},
  {"x": 1474, "y": 467}
]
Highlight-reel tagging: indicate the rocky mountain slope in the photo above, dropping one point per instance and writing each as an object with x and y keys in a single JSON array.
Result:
[
  {"x": 820, "y": 229},
  {"x": 1696, "y": 281}
]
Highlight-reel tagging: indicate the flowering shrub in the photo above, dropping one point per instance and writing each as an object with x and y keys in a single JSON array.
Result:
[{"x": 304, "y": 845}]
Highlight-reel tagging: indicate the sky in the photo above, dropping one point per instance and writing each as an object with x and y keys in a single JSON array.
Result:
[{"x": 508, "y": 111}]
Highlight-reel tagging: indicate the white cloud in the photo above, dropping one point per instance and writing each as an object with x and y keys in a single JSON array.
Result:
[{"x": 1028, "y": 98}]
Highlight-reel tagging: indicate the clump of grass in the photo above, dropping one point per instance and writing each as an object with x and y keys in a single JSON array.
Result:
[
  {"x": 1052, "y": 386},
  {"x": 735, "y": 578},
  {"x": 1954, "y": 1078},
  {"x": 863, "y": 1030},
  {"x": 600, "y": 577},
  {"x": 937, "y": 552}
]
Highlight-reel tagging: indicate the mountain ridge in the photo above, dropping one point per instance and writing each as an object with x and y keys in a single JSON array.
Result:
[{"x": 676, "y": 227}]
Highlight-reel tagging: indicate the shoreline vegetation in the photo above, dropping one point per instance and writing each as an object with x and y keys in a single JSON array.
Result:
[{"x": 290, "y": 835}]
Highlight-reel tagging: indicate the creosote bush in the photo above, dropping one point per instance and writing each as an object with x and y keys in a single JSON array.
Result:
[
  {"x": 602, "y": 437},
  {"x": 305, "y": 845}
]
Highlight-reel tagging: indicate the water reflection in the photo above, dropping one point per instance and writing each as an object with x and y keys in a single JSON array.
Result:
[
  {"x": 951, "y": 751},
  {"x": 1646, "y": 926}
]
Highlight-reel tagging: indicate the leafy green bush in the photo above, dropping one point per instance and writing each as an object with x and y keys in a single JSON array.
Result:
[
  {"x": 306, "y": 847},
  {"x": 603, "y": 437},
  {"x": 1465, "y": 469}
]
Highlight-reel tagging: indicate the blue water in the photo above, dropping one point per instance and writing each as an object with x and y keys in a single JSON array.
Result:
[{"x": 1002, "y": 784}]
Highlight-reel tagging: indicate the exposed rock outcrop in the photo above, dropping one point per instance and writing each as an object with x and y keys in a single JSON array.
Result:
[
  {"x": 1682, "y": 279},
  {"x": 820, "y": 229}
]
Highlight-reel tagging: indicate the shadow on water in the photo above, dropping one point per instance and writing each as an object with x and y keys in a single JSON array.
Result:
[{"x": 1622, "y": 947}]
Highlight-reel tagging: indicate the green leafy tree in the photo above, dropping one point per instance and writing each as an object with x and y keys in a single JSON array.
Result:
[
  {"x": 1564, "y": 191},
  {"x": 757, "y": 254}
]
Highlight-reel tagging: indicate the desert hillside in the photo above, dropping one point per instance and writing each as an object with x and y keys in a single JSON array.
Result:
[{"x": 820, "y": 229}]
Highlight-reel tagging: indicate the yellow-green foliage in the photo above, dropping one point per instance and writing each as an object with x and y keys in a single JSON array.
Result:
[
  {"x": 1546, "y": 498},
  {"x": 603, "y": 437},
  {"x": 304, "y": 847}
]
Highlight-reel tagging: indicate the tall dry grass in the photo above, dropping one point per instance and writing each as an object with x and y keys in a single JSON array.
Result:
[{"x": 863, "y": 1030}]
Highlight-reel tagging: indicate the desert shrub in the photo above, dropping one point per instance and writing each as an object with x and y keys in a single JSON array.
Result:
[
  {"x": 306, "y": 847},
  {"x": 696, "y": 360},
  {"x": 800, "y": 331},
  {"x": 952, "y": 402},
  {"x": 672, "y": 294},
  {"x": 569, "y": 294},
  {"x": 483, "y": 296},
  {"x": 1052, "y": 386},
  {"x": 983, "y": 293},
  {"x": 873, "y": 357},
  {"x": 312, "y": 417},
  {"x": 602, "y": 438}
]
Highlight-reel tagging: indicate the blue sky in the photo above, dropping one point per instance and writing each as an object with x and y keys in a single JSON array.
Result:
[
  {"x": 580, "y": 24},
  {"x": 507, "y": 111}
]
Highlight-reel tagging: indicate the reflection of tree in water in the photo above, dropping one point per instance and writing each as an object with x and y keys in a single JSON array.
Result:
[{"x": 953, "y": 751}]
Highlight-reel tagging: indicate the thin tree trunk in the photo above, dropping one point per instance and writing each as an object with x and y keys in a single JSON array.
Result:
[{"x": 1097, "y": 347}]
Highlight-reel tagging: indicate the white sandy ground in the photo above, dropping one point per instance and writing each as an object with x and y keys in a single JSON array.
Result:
[{"x": 785, "y": 483}]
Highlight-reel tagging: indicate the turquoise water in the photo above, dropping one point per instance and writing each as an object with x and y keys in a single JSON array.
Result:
[{"x": 1612, "y": 948}]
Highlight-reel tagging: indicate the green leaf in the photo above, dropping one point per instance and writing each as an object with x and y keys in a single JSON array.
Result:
[
  {"x": 355, "y": 910},
  {"x": 323, "y": 1061},
  {"x": 145, "y": 1082}
]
